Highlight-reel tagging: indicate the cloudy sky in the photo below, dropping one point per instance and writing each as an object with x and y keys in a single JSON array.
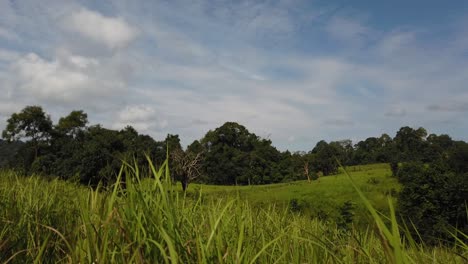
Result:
[{"x": 292, "y": 71}]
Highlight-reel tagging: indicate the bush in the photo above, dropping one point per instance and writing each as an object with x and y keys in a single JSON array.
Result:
[
  {"x": 346, "y": 215},
  {"x": 434, "y": 200},
  {"x": 373, "y": 181}
]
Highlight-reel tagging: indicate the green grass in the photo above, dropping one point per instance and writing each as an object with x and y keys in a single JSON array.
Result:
[
  {"x": 321, "y": 198},
  {"x": 150, "y": 222}
]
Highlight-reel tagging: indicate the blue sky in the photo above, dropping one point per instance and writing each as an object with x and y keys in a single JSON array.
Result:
[{"x": 292, "y": 71}]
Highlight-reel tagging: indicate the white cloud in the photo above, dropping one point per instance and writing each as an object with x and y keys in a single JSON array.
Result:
[
  {"x": 65, "y": 79},
  {"x": 347, "y": 29},
  {"x": 112, "y": 32},
  {"x": 196, "y": 65},
  {"x": 143, "y": 118},
  {"x": 396, "y": 42}
]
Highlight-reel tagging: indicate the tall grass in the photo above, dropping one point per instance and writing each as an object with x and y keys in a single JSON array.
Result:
[{"x": 147, "y": 221}]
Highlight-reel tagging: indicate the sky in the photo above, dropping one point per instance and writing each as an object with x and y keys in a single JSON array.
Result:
[{"x": 295, "y": 72}]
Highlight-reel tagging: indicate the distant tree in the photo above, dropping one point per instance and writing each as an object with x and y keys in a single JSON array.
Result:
[
  {"x": 306, "y": 170},
  {"x": 290, "y": 166},
  {"x": 73, "y": 124},
  {"x": 187, "y": 166},
  {"x": 233, "y": 155},
  {"x": 100, "y": 157},
  {"x": 324, "y": 158},
  {"x": 411, "y": 143},
  {"x": 458, "y": 157},
  {"x": 138, "y": 147},
  {"x": 31, "y": 124},
  {"x": 345, "y": 151},
  {"x": 8, "y": 150},
  {"x": 172, "y": 144}
]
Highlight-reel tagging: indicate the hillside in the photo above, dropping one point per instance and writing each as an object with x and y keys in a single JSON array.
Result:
[{"x": 320, "y": 198}]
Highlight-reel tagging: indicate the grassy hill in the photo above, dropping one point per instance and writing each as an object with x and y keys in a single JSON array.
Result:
[
  {"x": 321, "y": 198},
  {"x": 45, "y": 220}
]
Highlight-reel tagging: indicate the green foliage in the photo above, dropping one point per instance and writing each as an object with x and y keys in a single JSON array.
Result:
[
  {"x": 324, "y": 157},
  {"x": 233, "y": 155},
  {"x": 394, "y": 167},
  {"x": 346, "y": 215},
  {"x": 434, "y": 200},
  {"x": 457, "y": 159},
  {"x": 73, "y": 124},
  {"x": 71, "y": 149},
  {"x": 7, "y": 151},
  {"x": 321, "y": 198},
  {"x": 372, "y": 150},
  {"x": 411, "y": 143},
  {"x": 30, "y": 123}
]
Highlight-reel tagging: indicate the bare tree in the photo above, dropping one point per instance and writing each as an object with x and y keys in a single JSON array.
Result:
[
  {"x": 306, "y": 170},
  {"x": 187, "y": 166}
]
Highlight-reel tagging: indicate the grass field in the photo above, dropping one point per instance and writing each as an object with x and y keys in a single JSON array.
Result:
[
  {"x": 321, "y": 198},
  {"x": 53, "y": 221}
]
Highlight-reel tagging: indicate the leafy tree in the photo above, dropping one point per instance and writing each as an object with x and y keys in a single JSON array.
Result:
[
  {"x": 458, "y": 157},
  {"x": 8, "y": 150},
  {"x": 433, "y": 198},
  {"x": 324, "y": 158},
  {"x": 100, "y": 156},
  {"x": 411, "y": 143},
  {"x": 345, "y": 151},
  {"x": 32, "y": 124},
  {"x": 73, "y": 124},
  {"x": 233, "y": 155}
]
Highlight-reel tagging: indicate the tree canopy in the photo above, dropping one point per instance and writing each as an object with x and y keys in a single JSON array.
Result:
[{"x": 73, "y": 149}]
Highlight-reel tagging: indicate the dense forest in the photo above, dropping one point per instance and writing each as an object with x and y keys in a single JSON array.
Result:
[{"x": 433, "y": 169}]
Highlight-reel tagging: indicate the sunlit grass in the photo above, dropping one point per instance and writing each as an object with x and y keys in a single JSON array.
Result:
[{"x": 152, "y": 222}]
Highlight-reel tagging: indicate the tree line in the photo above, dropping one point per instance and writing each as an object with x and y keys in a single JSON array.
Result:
[
  {"x": 433, "y": 169},
  {"x": 227, "y": 155}
]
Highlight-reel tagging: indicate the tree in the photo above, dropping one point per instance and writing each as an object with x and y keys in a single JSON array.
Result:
[
  {"x": 73, "y": 124},
  {"x": 324, "y": 158},
  {"x": 100, "y": 157},
  {"x": 187, "y": 166},
  {"x": 306, "y": 170},
  {"x": 433, "y": 198},
  {"x": 411, "y": 143},
  {"x": 233, "y": 155},
  {"x": 458, "y": 157},
  {"x": 29, "y": 124},
  {"x": 345, "y": 151},
  {"x": 7, "y": 152}
]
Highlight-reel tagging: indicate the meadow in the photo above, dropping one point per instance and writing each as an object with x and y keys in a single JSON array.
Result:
[
  {"x": 152, "y": 221},
  {"x": 320, "y": 198}
]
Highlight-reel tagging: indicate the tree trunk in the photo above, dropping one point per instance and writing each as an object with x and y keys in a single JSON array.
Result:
[
  {"x": 184, "y": 184},
  {"x": 306, "y": 171}
]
